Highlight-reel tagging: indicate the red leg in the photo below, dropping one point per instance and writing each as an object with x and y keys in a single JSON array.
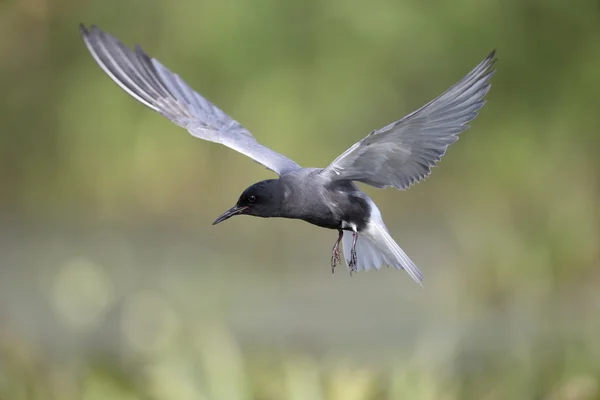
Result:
[
  {"x": 335, "y": 252},
  {"x": 353, "y": 257}
]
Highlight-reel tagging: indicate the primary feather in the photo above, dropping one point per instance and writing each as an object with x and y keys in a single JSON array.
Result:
[
  {"x": 403, "y": 152},
  {"x": 148, "y": 81}
]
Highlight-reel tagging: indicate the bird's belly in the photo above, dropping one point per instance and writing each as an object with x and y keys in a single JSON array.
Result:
[
  {"x": 324, "y": 222},
  {"x": 352, "y": 219}
]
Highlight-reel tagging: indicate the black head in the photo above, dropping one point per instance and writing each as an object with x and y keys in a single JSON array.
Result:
[{"x": 263, "y": 199}]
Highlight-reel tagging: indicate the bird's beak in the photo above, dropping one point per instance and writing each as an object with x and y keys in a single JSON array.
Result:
[{"x": 235, "y": 210}]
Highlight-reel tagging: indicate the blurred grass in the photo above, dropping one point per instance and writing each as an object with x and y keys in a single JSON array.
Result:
[
  {"x": 114, "y": 285},
  {"x": 218, "y": 369}
]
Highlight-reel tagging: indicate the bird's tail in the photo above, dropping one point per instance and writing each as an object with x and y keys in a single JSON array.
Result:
[{"x": 375, "y": 247}]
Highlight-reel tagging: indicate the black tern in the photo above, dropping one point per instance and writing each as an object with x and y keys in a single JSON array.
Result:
[{"x": 397, "y": 155}]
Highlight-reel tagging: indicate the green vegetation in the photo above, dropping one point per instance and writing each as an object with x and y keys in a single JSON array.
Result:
[{"x": 114, "y": 284}]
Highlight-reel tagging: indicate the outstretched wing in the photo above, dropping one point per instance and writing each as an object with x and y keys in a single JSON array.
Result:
[
  {"x": 404, "y": 152},
  {"x": 152, "y": 84}
]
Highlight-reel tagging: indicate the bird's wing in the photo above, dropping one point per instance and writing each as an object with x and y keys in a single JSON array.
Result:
[
  {"x": 404, "y": 152},
  {"x": 152, "y": 84}
]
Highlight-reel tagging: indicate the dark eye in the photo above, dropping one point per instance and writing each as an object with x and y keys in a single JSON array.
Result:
[{"x": 252, "y": 198}]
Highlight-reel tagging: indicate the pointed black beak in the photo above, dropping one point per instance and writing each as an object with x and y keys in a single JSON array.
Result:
[{"x": 235, "y": 210}]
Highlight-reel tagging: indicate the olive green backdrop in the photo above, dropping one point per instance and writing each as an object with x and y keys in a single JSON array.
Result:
[{"x": 114, "y": 284}]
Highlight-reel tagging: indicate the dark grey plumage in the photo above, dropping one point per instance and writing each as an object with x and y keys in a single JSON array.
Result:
[{"x": 398, "y": 155}]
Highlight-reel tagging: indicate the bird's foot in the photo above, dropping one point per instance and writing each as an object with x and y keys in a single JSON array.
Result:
[
  {"x": 335, "y": 252},
  {"x": 353, "y": 264},
  {"x": 335, "y": 258}
]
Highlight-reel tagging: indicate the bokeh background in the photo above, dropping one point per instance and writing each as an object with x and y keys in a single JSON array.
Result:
[{"x": 114, "y": 284}]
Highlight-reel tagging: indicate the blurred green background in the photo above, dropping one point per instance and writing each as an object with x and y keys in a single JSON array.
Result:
[{"x": 114, "y": 284}]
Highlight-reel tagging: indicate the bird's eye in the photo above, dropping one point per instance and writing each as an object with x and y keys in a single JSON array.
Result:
[{"x": 252, "y": 199}]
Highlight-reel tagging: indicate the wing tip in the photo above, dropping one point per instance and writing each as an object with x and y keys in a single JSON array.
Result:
[
  {"x": 88, "y": 31},
  {"x": 85, "y": 32},
  {"x": 490, "y": 60}
]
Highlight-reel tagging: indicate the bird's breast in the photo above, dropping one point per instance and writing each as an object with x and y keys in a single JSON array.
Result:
[{"x": 331, "y": 205}]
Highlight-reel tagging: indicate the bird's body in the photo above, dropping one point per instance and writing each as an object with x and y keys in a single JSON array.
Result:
[
  {"x": 398, "y": 155},
  {"x": 309, "y": 196}
]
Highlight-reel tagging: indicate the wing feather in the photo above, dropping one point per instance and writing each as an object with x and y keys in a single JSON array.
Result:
[
  {"x": 152, "y": 84},
  {"x": 403, "y": 152}
]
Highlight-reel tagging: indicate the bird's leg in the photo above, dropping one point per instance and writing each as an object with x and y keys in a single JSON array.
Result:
[
  {"x": 353, "y": 257},
  {"x": 335, "y": 252}
]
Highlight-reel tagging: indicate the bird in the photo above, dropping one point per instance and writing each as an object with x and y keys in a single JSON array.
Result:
[{"x": 397, "y": 155}]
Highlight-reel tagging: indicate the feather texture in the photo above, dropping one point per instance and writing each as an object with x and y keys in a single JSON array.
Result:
[
  {"x": 149, "y": 82},
  {"x": 403, "y": 152}
]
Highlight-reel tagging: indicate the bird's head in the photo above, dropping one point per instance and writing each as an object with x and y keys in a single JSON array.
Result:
[{"x": 263, "y": 199}]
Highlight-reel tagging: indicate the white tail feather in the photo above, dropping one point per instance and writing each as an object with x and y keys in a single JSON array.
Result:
[
  {"x": 368, "y": 256},
  {"x": 375, "y": 247}
]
